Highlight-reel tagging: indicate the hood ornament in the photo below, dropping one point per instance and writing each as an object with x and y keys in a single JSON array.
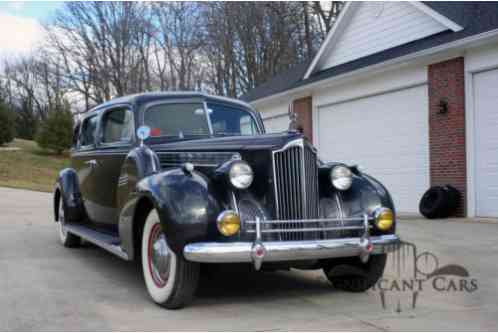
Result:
[{"x": 293, "y": 117}]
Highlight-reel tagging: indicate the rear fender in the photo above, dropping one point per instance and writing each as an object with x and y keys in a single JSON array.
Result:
[{"x": 67, "y": 189}]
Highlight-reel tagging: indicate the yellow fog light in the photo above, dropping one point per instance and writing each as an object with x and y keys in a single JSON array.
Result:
[
  {"x": 384, "y": 219},
  {"x": 228, "y": 223}
]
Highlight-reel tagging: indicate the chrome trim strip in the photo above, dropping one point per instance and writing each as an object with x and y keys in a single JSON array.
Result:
[
  {"x": 288, "y": 250},
  {"x": 269, "y": 231},
  {"x": 346, "y": 219},
  {"x": 208, "y": 118},
  {"x": 339, "y": 206},
  {"x": 234, "y": 203}
]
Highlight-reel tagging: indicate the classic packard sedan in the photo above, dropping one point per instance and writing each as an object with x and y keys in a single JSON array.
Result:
[{"x": 179, "y": 180}]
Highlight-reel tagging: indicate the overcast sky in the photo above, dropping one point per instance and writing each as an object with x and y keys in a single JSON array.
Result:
[{"x": 20, "y": 25}]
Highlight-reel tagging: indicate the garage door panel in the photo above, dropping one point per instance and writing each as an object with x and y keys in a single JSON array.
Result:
[
  {"x": 387, "y": 135},
  {"x": 486, "y": 143},
  {"x": 276, "y": 124}
]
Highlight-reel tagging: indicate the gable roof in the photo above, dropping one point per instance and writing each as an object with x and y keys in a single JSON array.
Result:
[
  {"x": 348, "y": 13},
  {"x": 474, "y": 18},
  {"x": 278, "y": 83}
]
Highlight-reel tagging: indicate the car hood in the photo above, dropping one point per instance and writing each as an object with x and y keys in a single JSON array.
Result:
[{"x": 230, "y": 143}]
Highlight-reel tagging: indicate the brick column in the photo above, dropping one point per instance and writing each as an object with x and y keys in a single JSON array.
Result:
[
  {"x": 447, "y": 127},
  {"x": 303, "y": 109}
]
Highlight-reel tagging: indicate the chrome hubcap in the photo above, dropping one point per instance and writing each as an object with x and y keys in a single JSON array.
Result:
[{"x": 159, "y": 256}]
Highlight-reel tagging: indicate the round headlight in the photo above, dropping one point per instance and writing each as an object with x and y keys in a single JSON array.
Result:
[
  {"x": 241, "y": 175},
  {"x": 228, "y": 223},
  {"x": 341, "y": 177},
  {"x": 384, "y": 218}
]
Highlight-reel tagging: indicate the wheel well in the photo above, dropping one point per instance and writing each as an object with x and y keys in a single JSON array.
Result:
[
  {"x": 142, "y": 210},
  {"x": 57, "y": 197}
]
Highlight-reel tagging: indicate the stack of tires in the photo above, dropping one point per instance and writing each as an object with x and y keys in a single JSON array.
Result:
[{"x": 439, "y": 202}]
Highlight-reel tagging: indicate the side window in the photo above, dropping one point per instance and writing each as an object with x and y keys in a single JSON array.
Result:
[
  {"x": 87, "y": 134},
  {"x": 117, "y": 126},
  {"x": 247, "y": 126}
]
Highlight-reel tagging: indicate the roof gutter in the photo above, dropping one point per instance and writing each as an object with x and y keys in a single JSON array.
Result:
[{"x": 464, "y": 42}]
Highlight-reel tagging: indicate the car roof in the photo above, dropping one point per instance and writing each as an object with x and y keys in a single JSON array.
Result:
[{"x": 155, "y": 96}]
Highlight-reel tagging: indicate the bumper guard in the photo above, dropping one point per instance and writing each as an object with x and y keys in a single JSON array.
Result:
[{"x": 258, "y": 251}]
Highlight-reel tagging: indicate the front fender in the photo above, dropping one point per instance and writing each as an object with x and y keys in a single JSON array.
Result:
[
  {"x": 67, "y": 185},
  {"x": 365, "y": 195},
  {"x": 185, "y": 203}
]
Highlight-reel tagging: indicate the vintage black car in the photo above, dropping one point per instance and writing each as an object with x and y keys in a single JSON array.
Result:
[{"x": 177, "y": 180}]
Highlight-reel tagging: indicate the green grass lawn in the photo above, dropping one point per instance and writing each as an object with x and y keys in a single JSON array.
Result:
[{"x": 31, "y": 167}]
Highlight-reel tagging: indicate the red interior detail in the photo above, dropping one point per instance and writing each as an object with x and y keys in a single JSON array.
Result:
[{"x": 155, "y": 131}]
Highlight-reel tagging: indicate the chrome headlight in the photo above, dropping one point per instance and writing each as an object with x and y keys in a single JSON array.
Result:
[
  {"x": 240, "y": 175},
  {"x": 341, "y": 177}
]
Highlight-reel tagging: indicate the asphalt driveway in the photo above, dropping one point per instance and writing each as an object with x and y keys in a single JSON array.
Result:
[{"x": 44, "y": 286}]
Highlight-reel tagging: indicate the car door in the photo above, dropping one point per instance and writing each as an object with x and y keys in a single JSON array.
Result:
[
  {"x": 114, "y": 141},
  {"x": 84, "y": 161}
]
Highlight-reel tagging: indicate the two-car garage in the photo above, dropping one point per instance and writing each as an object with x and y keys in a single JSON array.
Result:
[{"x": 414, "y": 111}]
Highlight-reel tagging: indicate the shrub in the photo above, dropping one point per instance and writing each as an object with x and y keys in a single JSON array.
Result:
[
  {"x": 55, "y": 132},
  {"x": 6, "y": 125}
]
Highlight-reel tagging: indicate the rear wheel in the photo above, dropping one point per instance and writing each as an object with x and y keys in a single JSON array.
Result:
[
  {"x": 67, "y": 239},
  {"x": 351, "y": 274},
  {"x": 171, "y": 280}
]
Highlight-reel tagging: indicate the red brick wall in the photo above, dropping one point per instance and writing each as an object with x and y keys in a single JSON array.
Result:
[
  {"x": 447, "y": 131},
  {"x": 302, "y": 108}
]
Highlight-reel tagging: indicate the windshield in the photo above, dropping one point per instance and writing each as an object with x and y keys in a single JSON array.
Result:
[
  {"x": 183, "y": 120},
  {"x": 177, "y": 120},
  {"x": 230, "y": 120}
]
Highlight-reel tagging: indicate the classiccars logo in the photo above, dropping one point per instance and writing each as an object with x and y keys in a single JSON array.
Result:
[{"x": 408, "y": 274}]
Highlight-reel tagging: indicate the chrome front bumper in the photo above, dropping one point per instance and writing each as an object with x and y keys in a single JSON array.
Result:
[{"x": 258, "y": 252}]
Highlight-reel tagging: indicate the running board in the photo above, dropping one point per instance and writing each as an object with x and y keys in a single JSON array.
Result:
[{"x": 107, "y": 242}]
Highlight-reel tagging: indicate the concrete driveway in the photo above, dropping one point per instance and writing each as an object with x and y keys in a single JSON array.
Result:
[{"x": 44, "y": 286}]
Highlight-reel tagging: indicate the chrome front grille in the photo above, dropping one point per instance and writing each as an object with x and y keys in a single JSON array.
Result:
[{"x": 295, "y": 172}]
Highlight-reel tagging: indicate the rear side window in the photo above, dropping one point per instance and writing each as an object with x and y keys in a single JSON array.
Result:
[
  {"x": 117, "y": 126},
  {"x": 88, "y": 129}
]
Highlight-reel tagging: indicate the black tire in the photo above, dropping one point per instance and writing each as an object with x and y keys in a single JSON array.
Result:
[
  {"x": 66, "y": 238},
  {"x": 174, "y": 286},
  {"x": 453, "y": 199},
  {"x": 350, "y": 274},
  {"x": 434, "y": 203}
]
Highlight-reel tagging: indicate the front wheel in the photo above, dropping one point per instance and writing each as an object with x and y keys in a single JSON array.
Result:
[
  {"x": 66, "y": 238},
  {"x": 171, "y": 280},
  {"x": 350, "y": 274}
]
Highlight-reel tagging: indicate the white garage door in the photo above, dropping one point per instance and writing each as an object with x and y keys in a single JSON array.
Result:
[
  {"x": 486, "y": 143},
  {"x": 276, "y": 124},
  {"x": 387, "y": 135}
]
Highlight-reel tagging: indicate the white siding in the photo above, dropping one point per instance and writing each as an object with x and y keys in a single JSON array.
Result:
[
  {"x": 371, "y": 85},
  {"x": 377, "y": 26},
  {"x": 275, "y": 117}
]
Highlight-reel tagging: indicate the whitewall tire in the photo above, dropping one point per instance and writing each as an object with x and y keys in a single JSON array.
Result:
[
  {"x": 170, "y": 280},
  {"x": 66, "y": 238}
]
